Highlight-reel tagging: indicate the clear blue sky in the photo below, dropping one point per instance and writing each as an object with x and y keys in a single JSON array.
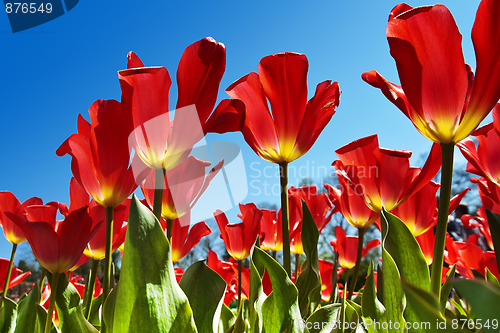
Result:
[{"x": 53, "y": 72}]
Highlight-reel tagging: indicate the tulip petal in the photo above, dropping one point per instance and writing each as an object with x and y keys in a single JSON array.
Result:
[
  {"x": 486, "y": 39},
  {"x": 196, "y": 233},
  {"x": 259, "y": 129},
  {"x": 133, "y": 61},
  {"x": 199, "y": 74},
  {"x": 228, "y": 116},
  {"x": 284, "y": 81},
  {"x": 319, "y": 111},
  {"x": 426, "y": 44}
]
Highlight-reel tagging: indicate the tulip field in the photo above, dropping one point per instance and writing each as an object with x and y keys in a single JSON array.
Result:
[{"x": 136, "y": 180}]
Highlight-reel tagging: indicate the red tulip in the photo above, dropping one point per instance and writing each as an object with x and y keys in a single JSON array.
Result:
[
  {"x": 490, "y": 198},
  {"x": 347, "y": 247},
  {"x": 185, "y": 238},
  {"x": 229, "y": 273},
  {"x": 438, "y": 91},
  {"x": 100, "y": 154},
  {"x": 319, "y": 205},
  {"x": 326, "y": 271},
  {"x": 351, "y": 205},
  {"x": 468, "y": 256},
  {"x": 291, "y": 127},
  {"x": 57, "y": 245},
  {"x": 96, "y": 247},
  {"x": 183, "y": 186},
  {"x": 271, "y": 233},
  {"x": 162, "y": 143},
  {"x": 383, "y": 176},
  {"x": 9, "y": 203},
  {"x": 426, "y": 242},
  {"x": 15, "y": 277},
  {"x": 178, "y": 273},
  {"x": 240, "y": 237},
  {"x": 485, "y": 160}
]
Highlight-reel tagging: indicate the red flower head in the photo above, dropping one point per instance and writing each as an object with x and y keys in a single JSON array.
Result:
[
  {"x": 240, "y": 237},
  {"x": 469, "y": 256},
  {"x": 183, "y": 186},
  {"x": 57, "y": 245},
  {"x": 426, "y": 242},
  {"x": 291, "y": 127},
  {"x": 485, "y": 160},
  {"x": 438, "y": 91},
  {"x": 229, "y": 273},
  {"x": 347, "y": 247},
  {"x": 271, "y": 233},
  {"x": 383, "y": 176},
  {"x": 100, "y": 154},
  {"x": 159, "y": 141},
  {"x": 351, "y": 205},
  {"x": 326, "y": 271},
  {"x": 15, "y": 277},
  {"x": 184, "y": 238},
  {"x": 319, "y": 205},
  {"x": 96, "y": 247},
  {"x": 419, "y": 212},
  {"x": 10, "y": 204}
]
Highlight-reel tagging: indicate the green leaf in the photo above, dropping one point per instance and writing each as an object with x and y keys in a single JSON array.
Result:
[
  {"x": 490, "y": 277},
  {"x": 404, "y": 249},
  {"x": 280, "y": 310},
  {"x": 446, "y": 288},
  {"x": 256, "y": 297},
  {"x": 483, "y": 298},
  {"x": 31, "y": 316},
  {"x": 94, "y": 317},
  {"x": 325, "y": 319},
  {"x": 427, "y": 310},
  {"x": 205, "y": 290},
  {"x": 351, "y": 316},
  {"x": 148, "y": 298},
  {"x": 494, "y": 223},
  {"x": 69, "y": 308},
  {"x": 309, "y": 279},
  {"x": 393, "y": 299},
  {"x": 373, "y": 310},
  {"x": 410, "y": 261},
  {"x": 227, "y": 319},
  {"x": 8, "y": 315}
]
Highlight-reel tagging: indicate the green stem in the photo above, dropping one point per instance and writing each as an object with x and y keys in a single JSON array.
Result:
[
  {"x": 107, "y": 259},
  {"x": 297, "y": 266},
  {"x": 274, "y": 254},
  {"x": 354, "y": 280},
  {"x": 53, "y": 293},
  {"x": 284, "y": 217},
  {"x": 42, "y": 278},
  {"x": 442, "y": 220},
  {"x": 239, "y": 284},
  {"x": 170, "y": 224},
  {"x": 9, "y": 271},
  {"x": 159, "y": 185},
  {"x": 89, "y": 294},
  {"x": 333, "y": 293}
]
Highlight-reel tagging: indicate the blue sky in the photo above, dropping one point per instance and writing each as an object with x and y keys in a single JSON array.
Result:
[{"x": 55, "y": 71}]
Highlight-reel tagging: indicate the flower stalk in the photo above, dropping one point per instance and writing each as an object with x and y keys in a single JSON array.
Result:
[
  {"x": 89, "y": 292},
  {"x": 9, "y": 272},
  {"x": 53, "y": 293},
  {"x": 354, "y": 280},
  {"x": 284, "y": 217},
  {"x": 442, "y": 220}
]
